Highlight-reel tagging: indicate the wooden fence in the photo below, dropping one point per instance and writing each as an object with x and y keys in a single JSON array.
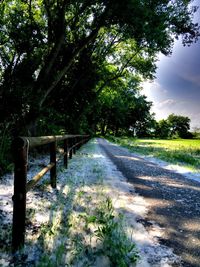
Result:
[{"x": 21, "y": 146}]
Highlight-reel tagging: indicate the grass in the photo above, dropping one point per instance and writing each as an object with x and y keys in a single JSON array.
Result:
[
  {"x": 83, "y": 228},
  {"x": 179, "y": 151},
  {"x": 117, "y": 246}
]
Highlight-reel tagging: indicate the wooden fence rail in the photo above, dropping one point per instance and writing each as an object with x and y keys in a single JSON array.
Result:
[{"x": 21, "y": 146}]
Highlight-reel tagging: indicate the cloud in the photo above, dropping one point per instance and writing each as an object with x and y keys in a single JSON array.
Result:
[
  {"x": 195, "y": 121},
  {"x": 152, "y": 89},
  {"x": 186, "y": 62},
  {"x": 187, "y": 72},
  {"x": 195, "y": 79},
  {"x": 163, "y": 109},
  {"x": 177, "y": 86},
  {"x": 166, "y": 103}
]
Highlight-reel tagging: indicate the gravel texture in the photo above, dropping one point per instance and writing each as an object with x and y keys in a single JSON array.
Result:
[{"x": 173, "y": 201}]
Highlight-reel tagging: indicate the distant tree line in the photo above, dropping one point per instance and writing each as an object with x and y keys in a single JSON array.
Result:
[
  {"x": 132, "y": 117},
  {"x": 67, "y": 66},
  {"x": 174, "y": 126}
]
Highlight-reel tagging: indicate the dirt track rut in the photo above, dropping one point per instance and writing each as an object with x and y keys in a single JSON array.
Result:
[{"x": 174, "y": 201}]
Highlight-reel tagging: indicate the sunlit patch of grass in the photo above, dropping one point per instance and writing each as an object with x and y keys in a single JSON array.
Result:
[{"x": 179, "y": 151}]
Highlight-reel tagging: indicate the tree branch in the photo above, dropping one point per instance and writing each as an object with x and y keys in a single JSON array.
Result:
[
  {"x": 118, "y": 74},
  {"x": 45, "y": 71},
  {"x": 61, "y": 74}
]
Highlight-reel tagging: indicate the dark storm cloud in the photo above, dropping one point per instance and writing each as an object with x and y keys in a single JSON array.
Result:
[
  {"x": 180, "y": 73},
  {"x": 177, "y": 86}
]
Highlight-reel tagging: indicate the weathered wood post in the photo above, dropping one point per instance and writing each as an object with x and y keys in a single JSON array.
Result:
[
  {"x": 66, "y": 152},
  {"x": 70, "y": 151},
  {"x": 20, "y": 152},
  {"x": 84, "y": 140},
  {"x": 80, "y": 142},
  {"x": 74, "y": 142},
  {"x": 53, "y": 160},
  {"x": 78, "y": 145}
]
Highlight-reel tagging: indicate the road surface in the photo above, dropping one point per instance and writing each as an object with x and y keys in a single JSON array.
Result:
[{"x": 174, "y": 201}]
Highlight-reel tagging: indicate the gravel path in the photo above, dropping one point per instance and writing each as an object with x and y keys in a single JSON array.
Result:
[{"x": 174, "y": 201}]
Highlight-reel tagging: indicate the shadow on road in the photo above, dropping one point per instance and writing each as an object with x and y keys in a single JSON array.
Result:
[{"x": 173, "y": 201}]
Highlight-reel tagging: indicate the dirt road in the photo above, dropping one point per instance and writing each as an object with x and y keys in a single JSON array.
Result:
[{"x": 174, "y": 201}]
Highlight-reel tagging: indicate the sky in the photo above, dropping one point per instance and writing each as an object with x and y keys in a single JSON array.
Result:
[{"x": 176, "y": 88}]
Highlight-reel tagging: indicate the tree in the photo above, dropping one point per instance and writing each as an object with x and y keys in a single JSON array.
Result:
[
  {"x": 163, "y": 129},
  {"x": 43, "y": 41},
  {"x": 179, "y": 125},
  {"x": 122, "y": 107},
  {"x": 57, "y": 56},
  {"x": 196, "y": 132}
]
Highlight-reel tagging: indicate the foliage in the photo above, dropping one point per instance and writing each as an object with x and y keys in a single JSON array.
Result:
[
  {"x": 50, "y": 123},
  {"x": 196, "y": 133},
  {"x": 122, "y": 108},
  {"x": 5, "y": 142},
  {"x": 84, "y": 225},
  {"x": 46, "y": 46},
  {"x": 56, "y": 57},
  {"x": 179, "y": 125},
  {"x": 174, "y": 126},
  {"x": 162, "y": 129},
  {"x": 120, "y": 250}
]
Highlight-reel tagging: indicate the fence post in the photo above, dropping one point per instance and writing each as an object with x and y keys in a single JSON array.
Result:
[
  {"x": 80, "y": 142},
  {"x": 20, "y": 152},
  {"x": 70, "y": 151},
  {"x": 53, "y": 160},
  {"x": 66, "y": 151},
  {"x": 74, "y": 142}
]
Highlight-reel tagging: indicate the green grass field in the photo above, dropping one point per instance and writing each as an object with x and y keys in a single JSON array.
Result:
[{"x": 180, "y": 151}]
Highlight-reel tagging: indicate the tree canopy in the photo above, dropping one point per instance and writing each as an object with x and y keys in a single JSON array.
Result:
[
  {"x": 72, "y": 49},
  {"x": 59, "y": 57},
  {"x": 173, "y": 126}
]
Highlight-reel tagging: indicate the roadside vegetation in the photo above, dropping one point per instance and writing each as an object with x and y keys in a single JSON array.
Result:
[
  {"x": 45, "y": 46},
  {"x": 179, "y": 151},
  {"x": 75, "y": 225}
]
